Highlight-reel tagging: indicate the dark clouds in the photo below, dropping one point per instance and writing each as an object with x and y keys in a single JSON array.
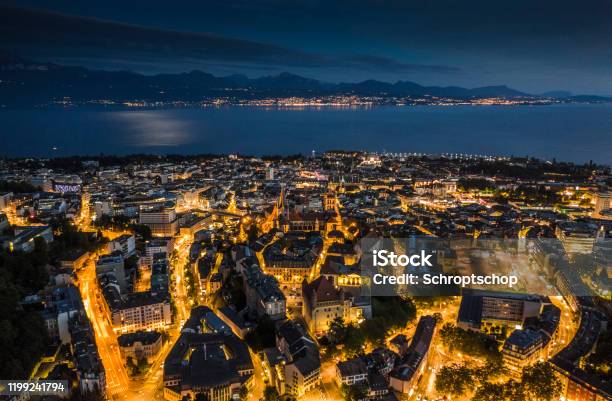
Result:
[
  {"x": 59, "y": 36},
  {"x": 532, "y": 45}
]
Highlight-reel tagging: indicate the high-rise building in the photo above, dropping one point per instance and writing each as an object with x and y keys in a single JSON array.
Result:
[{"x": 161, "y": 219}]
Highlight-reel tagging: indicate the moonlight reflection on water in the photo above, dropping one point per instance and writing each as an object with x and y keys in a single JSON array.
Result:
[{"x": 155, "y": 129}]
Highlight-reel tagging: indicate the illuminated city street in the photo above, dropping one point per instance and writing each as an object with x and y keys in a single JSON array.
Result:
[{"x": 118, "y": 382}]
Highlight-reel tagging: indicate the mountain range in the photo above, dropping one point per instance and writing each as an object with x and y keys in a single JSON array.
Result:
[{"x": 27, "y": 83}]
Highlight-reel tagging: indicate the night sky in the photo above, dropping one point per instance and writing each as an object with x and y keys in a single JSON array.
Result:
[{"x": 530, "y": 45}]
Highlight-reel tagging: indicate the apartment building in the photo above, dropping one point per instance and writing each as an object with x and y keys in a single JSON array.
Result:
[
  {"x": 521, "y": 349},
  {"x": 161, "y": 219}
]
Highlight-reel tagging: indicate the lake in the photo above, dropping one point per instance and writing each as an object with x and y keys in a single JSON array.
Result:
[{"x": 573, "y": 132}]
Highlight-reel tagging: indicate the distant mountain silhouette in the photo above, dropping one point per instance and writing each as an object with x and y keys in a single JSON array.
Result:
[
  {"x": 26, "y": 83},
  {"x": 557, "y": 94}
]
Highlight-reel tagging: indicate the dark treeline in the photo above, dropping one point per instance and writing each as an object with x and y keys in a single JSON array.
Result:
[
  {"x": 23, "y": 338},
  {"x": 121, "y": 222},
  {"x": 17, "y": 187},
  {"x": 532, "y": 169},
  {"x": 278, "y": 158},
  {"x": 74, "y": 163}
]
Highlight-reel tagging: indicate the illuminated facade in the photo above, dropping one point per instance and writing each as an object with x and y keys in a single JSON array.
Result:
[
  {"x": 324, "y": 302},
  {"x": 161, "y": 219},
  {"x": 521, "y": 349}
]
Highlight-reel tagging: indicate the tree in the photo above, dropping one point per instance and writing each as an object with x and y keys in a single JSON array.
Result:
[
  {"x": 190, "y": 284},
  {"x": 514, "y": 391},
  {"x": 374, "y": 330},
  {"x": 337, "y": 330},
  {"x": 470, "y": 343},
  {"x": 389, "y": 313},
  {"x": 17, "y": 187},
  {"x": 468, "y": 184},
  {"x": 353, "y": 393},
  {"x": 490, "y": 392},
  {"x": 438, "y": 317},
  {"x": 540, "y": 382},
  {"x": 23, "y": 337},
  {"x": 142, "y": 366},
  {"x": 509, "y": 391},
  {"x": 132, "y": 366},
  {"x": 354, "y": 340},
  {"x": 393, "y": 312},
  {"x": 142, "y": 230},
  {"x": 454, "y": 380},
  {"x": 491, "y": 369},
  {"x": 270, "y": 394},
  {"x": 331, "y": 352}
]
